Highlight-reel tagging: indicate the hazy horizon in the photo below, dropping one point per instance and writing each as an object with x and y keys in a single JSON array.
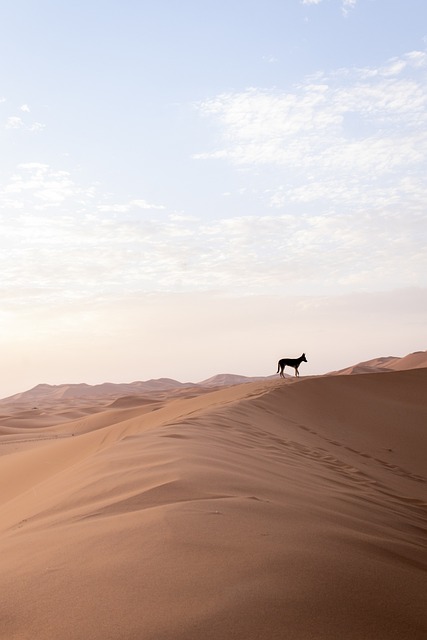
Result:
[
  {"x": 288, "y": 373},
  {"x": 200, "y": 188}
]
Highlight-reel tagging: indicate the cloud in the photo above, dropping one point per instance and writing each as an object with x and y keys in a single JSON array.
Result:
[
  {"x": 346, "y": 5},
  {"x": 14, "y": 122},
  {"x": 370, "y": 121},
  {"x": 23, "y": 121},
  {"x": 352, "y": 137},
  {"x": 270, "y": 59},
  {"x": 36, "y": 127},
  {"x": 334, "y": 201},
  {"x": 63, "y": 241},
  {"x": 129, "y": 206},
  {"x": 45, "y": 186},
  {"x": 341, "y": 161}
]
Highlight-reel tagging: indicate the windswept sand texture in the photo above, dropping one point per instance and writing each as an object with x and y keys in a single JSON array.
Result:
[{"x": 270, "y": 510}]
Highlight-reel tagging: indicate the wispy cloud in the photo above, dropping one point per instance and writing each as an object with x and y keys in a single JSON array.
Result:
[
  {"x": 356, "y": 137},
  {"x": 129, "y": 206},
  {"x": 356, "y": 117},
  {"x": 21, "y": 120},
  {"x": 45, "y": 186},
  {"x": 347, "y": 153},
  {"x": 338, "y": 167},
  {"x": 63, "y": 241},
  {"x": 346, "y": 5},
  {"x": 14, "y": 122}
]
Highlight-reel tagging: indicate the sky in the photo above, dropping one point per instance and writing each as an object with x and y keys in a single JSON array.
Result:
[{"x": 197, "y": 187}]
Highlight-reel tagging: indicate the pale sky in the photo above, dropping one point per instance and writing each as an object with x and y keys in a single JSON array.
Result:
[{"x": 192, "y": 187}]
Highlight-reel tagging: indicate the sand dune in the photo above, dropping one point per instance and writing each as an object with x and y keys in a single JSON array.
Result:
[
  {"x": 266, "y": 510},
  {"x": 227, "y": 379},
  {"x": 415, "y": 360}
]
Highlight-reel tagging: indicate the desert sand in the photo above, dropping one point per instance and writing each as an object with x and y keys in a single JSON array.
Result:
[{"x": 268, "y": 510}]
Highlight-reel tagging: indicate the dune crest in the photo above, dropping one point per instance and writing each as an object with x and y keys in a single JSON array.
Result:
[
  {"x": 416, "y": 360},
  {"x": 259, "y": 511}
]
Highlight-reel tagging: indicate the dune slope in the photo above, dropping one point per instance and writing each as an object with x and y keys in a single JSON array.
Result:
[{"x": 269, "y": 510}]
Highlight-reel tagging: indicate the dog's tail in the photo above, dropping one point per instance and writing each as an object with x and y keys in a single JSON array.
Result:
[{"x": 278, "y": 367}]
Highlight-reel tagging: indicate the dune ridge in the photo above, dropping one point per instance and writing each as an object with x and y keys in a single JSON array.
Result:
[
  {"x": 264, "y": 510},
  {"x": 416, "y": 360}
]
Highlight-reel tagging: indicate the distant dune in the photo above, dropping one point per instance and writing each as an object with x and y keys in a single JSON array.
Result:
[
  {"x": 227, "y": 509},
  {"x": 415, "y": 360},
  {"x": 107, "y": 389},
  {"x": 227, "y": 379}
]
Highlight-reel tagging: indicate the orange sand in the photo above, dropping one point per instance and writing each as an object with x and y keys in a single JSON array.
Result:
[{"x": 272, "y": 510}]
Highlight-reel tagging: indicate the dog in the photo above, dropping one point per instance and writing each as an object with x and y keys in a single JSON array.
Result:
[{"x": 290, "y": 362}]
